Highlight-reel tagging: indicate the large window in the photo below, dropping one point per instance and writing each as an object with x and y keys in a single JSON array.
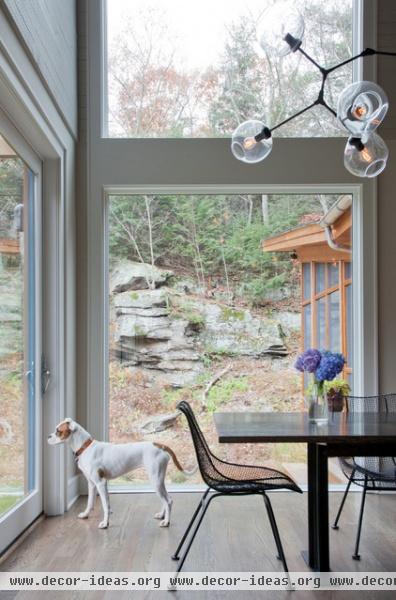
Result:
[
  {"x": 185, "y": 69},
  {"x": 199, "y": 310}
]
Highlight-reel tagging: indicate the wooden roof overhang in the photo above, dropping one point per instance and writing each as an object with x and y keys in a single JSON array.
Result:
[
  {"x": 310, "y": 243},
  {"x": 9, "y": 246}
]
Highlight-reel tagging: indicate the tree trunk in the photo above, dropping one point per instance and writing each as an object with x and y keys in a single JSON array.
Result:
[
  {"x": 150, "y": 231},
  {"x": 264, "y": 209}
]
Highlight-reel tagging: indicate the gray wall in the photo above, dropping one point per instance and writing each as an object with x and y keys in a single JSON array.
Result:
[
  {"x": 387, "y": 205},
  {"x": 48, "y": 29}
]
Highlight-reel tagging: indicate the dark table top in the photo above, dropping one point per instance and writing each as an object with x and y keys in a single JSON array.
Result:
[{"x": 239, "y": 427}]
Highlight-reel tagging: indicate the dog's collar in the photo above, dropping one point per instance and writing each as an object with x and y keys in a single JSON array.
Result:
[{"x": 85, "y": 445}]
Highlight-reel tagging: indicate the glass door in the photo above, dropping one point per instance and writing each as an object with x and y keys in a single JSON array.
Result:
[{"x": 20, "y": 352}]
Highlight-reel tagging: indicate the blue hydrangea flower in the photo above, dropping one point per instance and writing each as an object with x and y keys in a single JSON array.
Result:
[
  {"x": 325, "y": 365},
  {"x": 330, "y": 366},
  {"x": 308, "y": 360},
  {"x": 299, "y": 364}
]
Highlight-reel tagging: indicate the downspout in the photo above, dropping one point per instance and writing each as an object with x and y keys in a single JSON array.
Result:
[{"x": 333, "y": 245}]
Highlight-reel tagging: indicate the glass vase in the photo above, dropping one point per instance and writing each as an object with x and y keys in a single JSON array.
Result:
[{"x": 317, "y": 405}]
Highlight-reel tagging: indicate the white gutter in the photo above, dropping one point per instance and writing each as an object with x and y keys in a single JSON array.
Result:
[{"x": 341, "y": 206}]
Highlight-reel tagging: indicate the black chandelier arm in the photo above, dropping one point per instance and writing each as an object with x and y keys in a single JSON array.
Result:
[
  {"x": 365, "y": 52},
  {"x": 383, "y": 53},
  {"x": 266, "y": 131},
  {"x": 323, "y": 102},
  {"x": 308, "y": 57},
  {"x": 297, "y": 114}
]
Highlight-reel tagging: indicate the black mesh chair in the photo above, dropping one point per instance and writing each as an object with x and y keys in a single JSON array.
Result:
[
  {"x": 225, "y": 479},
  {"x": 371, "y": 473}
]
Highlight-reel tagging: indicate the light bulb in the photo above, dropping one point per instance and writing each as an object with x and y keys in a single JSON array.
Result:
[
  {"x": 280, "y": 29},
  {"x": 359, "y": 112},
  {"x": 366, "y": 156},
  {"x": 362, "y": 106},
  {"x": 246, "y": 147},
  {"x": 249, "y": 143}
]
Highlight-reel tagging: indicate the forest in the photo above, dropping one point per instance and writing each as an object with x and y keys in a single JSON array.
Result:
[
  {"x": 210, "y": 238},
  {"x": 153, "y": 93}
]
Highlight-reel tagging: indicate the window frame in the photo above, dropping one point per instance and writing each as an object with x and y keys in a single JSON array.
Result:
[{"x": 343, "y": 283}]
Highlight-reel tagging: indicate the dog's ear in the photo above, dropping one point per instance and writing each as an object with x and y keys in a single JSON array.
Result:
[{"x": 72, "y": 424}]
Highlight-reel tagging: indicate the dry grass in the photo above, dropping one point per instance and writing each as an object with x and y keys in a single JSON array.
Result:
[
  {"x": 252, "y": 384},
  {"x": 13, "y": 412}
]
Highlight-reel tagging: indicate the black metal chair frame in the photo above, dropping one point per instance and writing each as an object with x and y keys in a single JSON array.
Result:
[
  {"x": 369, "y": 479},
  {"x": 211, "y": 492}
]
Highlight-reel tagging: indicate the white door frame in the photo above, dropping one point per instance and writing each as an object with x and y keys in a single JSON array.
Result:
[
  {"x": 30, "y": 109},
  {"x": 14, "y": 521}
]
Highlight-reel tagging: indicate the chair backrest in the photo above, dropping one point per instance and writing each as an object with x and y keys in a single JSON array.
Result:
[
  {"x": 206, "y": 460},
  {"x": 383, "y": 403}
]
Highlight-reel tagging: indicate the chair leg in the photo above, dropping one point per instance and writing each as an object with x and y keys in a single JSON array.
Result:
[
  {"x": 335, "y": 524},
  {"x": 274, "y": 527},
  {"x": 356, "y": 555},
  {"x": 185, "y": 534},
  {"x": 194, "y": 533}
]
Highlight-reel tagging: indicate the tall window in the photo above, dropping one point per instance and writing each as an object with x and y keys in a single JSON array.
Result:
[
  {"x": 185, "y": 69},
  {"x": 17, "y": 329},
  {"x": 199, "y": 310},
  {"x": 327, "y": 307}
]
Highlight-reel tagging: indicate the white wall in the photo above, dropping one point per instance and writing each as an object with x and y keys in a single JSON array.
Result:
[
  {"x": 387, "y": 204},
  {"x": 48, "y": 30}
]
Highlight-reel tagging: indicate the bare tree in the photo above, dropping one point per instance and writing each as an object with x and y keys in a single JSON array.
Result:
[{"x": 265, "y": 209}]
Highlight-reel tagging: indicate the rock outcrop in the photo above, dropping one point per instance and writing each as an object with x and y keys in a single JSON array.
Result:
[{"x": 167, "y": 334}]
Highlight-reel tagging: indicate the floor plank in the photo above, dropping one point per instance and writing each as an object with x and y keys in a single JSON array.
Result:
[{"x": 234, "y": 537}]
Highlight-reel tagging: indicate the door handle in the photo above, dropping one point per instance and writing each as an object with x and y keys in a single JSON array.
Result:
[{"x": 45, "y": 376}]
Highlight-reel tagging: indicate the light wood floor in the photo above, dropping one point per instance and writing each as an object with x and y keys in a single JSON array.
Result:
[{"x": 234, "y": 536}]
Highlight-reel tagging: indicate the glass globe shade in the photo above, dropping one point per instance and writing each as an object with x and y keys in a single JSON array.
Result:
[
  {"x": 368, "y": 161},
  {"x": 244, "y": 146},
  {"x": 276, "y": 22},
  {"x": 362, "y": 106}
]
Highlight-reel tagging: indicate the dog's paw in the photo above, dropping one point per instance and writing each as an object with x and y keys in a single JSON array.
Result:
[
  {"x": 159, "y": 515},
  {"x": 103, "y": 525},
  {"x": 164, "y": 523},
  {"x": 83, "y": 515}
]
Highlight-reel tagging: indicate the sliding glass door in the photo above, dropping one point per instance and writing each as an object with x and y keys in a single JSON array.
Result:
[{"x": 20, "y": 347}]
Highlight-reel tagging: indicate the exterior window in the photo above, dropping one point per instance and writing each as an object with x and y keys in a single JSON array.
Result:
[
  {"x": 327, "y": 311},
  {"x": 307, "y": 318},
  {"x": 306, "y": 281},
  {"x": 332, "y": 274},
  {"x": 321, "y": 323},
  {"x": 320, "y": 282},
  {"x": 334, "y": 322},
  {"x": 184, "y": 69}
]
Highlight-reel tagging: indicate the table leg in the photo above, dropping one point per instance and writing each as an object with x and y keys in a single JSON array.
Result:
[
  {"x": 317, "y": 557},
  {"x": 312, "y": 519},
  {"x": 322, "y": 509}
]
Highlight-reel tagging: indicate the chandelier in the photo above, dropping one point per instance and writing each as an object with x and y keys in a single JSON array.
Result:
[{"x": 361, "y": 106}]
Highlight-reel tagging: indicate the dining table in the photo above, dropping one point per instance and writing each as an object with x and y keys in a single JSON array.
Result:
[{"x": 356, "y": 434}]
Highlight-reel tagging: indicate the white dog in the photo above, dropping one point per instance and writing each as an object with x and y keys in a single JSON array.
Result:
[{"x": 100, "y": 461}]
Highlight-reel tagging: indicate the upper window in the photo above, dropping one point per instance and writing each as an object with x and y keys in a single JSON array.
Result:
[{"x": 178, "y": 69}]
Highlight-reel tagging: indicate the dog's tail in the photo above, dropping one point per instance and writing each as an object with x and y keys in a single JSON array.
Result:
[{"x": 175, "y": 459}]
